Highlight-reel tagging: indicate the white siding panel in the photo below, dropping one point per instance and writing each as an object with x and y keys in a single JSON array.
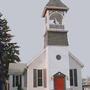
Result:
[
  {"x": 74, "y": 65},
  {"x": 38, "y": 63},
  {"x": 56, "y": 66}
]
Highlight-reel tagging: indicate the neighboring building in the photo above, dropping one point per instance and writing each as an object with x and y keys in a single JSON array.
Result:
[
  {"x": 55, "y": 68},
  {"x": 17, "y": 76},
  {"x": 86, "y": 84}
]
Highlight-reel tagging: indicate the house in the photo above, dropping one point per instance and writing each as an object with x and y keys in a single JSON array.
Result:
[
  {"x": 17, "y": 76},
  {"x": 86, "y": 84},
  {"x": 55, "y": 68}
]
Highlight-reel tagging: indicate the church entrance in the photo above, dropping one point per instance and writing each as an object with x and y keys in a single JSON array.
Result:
[{"x": 59, "y": 81}]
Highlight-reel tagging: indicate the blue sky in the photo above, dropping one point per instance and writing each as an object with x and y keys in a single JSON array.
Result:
[{"x": 27, "y": 25}]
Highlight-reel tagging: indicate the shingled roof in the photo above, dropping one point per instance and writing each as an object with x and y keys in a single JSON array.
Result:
[{"x": 55, "y": 5}]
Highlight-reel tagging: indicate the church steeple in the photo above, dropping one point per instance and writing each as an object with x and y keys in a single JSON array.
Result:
[
  {"x": 53, "y": 14},
  {"x": 55, "y": 5}
]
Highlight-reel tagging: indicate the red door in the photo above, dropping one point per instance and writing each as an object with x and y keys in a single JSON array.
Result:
[{"x": 59, "y": 83}]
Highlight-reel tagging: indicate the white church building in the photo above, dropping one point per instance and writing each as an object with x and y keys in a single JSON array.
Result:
[{"x": 55, "y": 68}]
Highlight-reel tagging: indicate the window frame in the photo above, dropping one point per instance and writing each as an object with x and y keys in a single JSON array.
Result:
[
  {"x": 43, "y": 78},
  {"x": 74, "y": 77},
  {"x": 17, "y": 80}
]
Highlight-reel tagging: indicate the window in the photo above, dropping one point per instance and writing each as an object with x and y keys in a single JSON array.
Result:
[
  {"x": 73, "y": 77},
  {"x": 39, "y": 77},
  {"x": 56, "y": 17},
  {"x": 14, "y": 81},
  {"x": 17, "y": 80},
  {"x": 58, "y": 57}
]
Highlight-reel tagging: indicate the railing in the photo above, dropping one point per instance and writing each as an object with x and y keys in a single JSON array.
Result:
[{"x": 55, "y": 26}]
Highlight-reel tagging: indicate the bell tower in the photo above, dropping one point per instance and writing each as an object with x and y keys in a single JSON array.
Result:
[
  {"x": 56, "y": 43},
  {"x": 53, "y": 13}
]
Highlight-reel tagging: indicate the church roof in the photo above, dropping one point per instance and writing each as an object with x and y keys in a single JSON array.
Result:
[
  {"x": 76, "y": 59},
  {"x": 55, "y": 5}
]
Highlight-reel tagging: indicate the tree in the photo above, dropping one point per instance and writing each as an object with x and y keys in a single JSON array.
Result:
[{"x": 9, "y": 51}]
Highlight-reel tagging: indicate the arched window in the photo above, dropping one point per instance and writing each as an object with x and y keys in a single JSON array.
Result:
[{"x": 56, "y": 18}]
